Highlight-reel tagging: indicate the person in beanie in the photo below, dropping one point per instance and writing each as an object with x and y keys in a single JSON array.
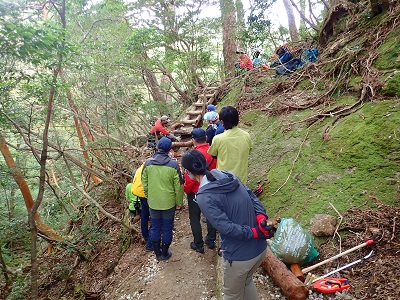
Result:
[
  {"x": 163, "y": 186},
  {"x": 239, "y": 217},
  {"x": 190, "y": 187}
]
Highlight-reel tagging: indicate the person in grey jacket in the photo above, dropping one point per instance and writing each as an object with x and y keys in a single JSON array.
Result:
[{"x": 239, "y": 217}]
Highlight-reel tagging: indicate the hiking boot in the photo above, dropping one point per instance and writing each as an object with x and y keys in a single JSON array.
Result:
[
  {"x": 166, "y": 254},
  {"x": 149, "y": 248},
  {"x": 210, "y": 244},
  {"x": 198, "y": 249},
  {"x": 157, "y": 249}
]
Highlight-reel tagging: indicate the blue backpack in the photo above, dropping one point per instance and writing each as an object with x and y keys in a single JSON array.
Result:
[
  {"x": 289, "y": 67},
  {"x": 307, "y": 56}
]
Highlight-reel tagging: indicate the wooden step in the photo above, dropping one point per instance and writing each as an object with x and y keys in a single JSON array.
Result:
[
  {"x": 195, "y": 112},
  {"x": 189, "y": 121},
  {"x": 205, "y": 95}
]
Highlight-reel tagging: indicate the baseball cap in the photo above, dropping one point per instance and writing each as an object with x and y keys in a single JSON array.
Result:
[
  {"x": 210, "y": 107},
  {"x": 198, "y": 133},
  {"x": 164, "y": 144},
  {"x": 165, "y": 118},
  {"x": 211, "y": 116}
]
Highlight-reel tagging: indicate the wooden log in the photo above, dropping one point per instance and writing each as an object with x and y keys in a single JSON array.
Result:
[
  {"x": 290, "y": 285},
  {"x": 182, "y": 144}
]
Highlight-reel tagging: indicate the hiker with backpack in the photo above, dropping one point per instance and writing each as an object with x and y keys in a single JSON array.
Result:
[
  {"x": 214, "y": 126},
  {"x": 190, "y": 187},
  {"x": 162, "y": 181},
  {"x": 138, "y": 191},
  {"x": 239, "y": 217}
]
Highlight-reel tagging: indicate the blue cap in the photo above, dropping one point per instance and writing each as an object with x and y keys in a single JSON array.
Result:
[
  {"x": 198, "y": 133},
  {"x": 210, "y": 107},
  {"x": 164, "y": 144}
]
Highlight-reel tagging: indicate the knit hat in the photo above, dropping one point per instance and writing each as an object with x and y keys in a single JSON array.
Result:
[{"x": 164, "y": 144}]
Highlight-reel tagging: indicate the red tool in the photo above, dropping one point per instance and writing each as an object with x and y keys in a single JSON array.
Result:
[{"x": 331, "y": 285}]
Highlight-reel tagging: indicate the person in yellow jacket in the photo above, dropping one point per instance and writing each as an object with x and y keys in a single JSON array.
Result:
[{"x": 138, "y": 191}]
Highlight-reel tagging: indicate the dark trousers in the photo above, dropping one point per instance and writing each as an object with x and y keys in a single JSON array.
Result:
[
  {"x": 162, "y": 222},
  {"x": 194, "y": 217},
  {"x": 144, "y": 220}
]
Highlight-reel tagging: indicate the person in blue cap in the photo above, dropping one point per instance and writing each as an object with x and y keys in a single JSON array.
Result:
[
  {"x": 210, "y": 107},
  {"x": 162, "y": 181}
]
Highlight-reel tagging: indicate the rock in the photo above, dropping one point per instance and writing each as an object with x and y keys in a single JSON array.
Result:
[{"x": 323, "y": 225}]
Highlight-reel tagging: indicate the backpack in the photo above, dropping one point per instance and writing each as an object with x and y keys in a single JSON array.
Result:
[
  {"x": 307, "y": 56},
  {"x": 289, "y": 67}
]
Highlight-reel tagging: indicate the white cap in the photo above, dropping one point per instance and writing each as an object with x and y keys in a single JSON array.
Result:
[
  {"x": 211, "y": 116},
  {"x": 165, "y": 118}
]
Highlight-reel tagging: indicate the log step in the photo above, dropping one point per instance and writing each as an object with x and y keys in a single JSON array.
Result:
[
  {"x": 195, "y": 112},
  {"x": 185, "y": 121}
]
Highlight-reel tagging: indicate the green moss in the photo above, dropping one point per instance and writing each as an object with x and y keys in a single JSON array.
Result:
[
  {"x": 354, "y": 83},
  {"x": 305, "y": 173},
  {"x": 389, "y": 52},
  {"x": 392, "y": 87}
]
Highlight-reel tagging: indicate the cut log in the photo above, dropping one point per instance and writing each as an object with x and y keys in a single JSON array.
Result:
[
  {"x": 290, "y": 285},
  {"x": 182, "y": 144}
]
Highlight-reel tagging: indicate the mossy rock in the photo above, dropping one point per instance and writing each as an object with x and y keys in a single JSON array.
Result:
[{"x": 392, "y": 87}]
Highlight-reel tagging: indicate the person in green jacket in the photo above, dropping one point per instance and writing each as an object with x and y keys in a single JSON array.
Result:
[
  {"x": 133, "y": 201},
  {"x": 233, "y": 146},
  {"x": 162, "y": 181}
]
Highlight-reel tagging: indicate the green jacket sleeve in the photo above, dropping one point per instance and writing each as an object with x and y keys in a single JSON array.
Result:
[{"x": 178, "y": 190}]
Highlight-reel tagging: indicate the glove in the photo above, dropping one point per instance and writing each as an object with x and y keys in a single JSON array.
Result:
[{"x": 262, "y": 231}]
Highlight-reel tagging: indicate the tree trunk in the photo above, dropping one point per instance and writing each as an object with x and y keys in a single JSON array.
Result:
[
  {"x": 228, "y": 36},
  {"x": 294, "y": 34},
  {"x": 240, "y": 21},
  {"x": 74, "y": 109}
]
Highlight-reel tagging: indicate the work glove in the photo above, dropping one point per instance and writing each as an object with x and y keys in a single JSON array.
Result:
[{"x": 262, "y": 231}]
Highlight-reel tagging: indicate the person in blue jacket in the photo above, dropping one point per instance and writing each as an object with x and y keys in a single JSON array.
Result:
[
  {"x": 284, "y": 57},
  {"x": 239, "y": 217}
]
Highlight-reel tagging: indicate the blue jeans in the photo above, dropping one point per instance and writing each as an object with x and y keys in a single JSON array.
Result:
[
  {"x": 162, "y": 222},
  {"x": 144, "y": 220}
]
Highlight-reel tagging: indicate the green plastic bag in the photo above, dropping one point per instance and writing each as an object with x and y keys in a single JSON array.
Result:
[{"x": 292, "y": 244}]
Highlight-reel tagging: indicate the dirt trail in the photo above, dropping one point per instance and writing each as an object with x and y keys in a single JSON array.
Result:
[{"x": 187, "y": 274}]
